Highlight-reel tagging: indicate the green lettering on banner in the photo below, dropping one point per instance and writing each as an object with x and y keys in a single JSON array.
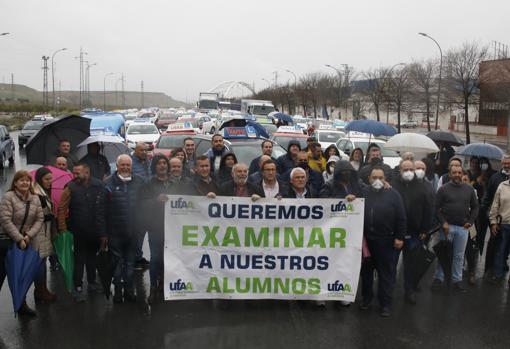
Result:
[
  {"x": 290, "y": 233},
  {"x": 279, "y": 285},
  {"x": 314, "y": 286},
  {"x": 298, "y": 286},
  {"x": 187, "y": 235},
  {"x": 225, "y": 286},
  {"x": 259, "y": 287},
  {"x": 231, "y": 237},
  {"x": 210, "y": 236},
  {"x": 250, "y": 239},
  {"x": 316, "y": 238},
  {"x": 276, "y": 237},
  {"x": 213, "y": 285},
  {"x": 337, "y": 235},
  {"x": 246, "y": 288}
]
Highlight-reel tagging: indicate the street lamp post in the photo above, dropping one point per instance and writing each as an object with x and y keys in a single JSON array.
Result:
[
  {"x": 87, "y": 79},
  {"x": 340, "y": 83},
  {"x": 440, "y": 71},
  {"x": 53, "y": 74},
  {"x": 268, "y": 83},
  {"x": 295, "y": 86},
  {"x": 104, "y": 89}
]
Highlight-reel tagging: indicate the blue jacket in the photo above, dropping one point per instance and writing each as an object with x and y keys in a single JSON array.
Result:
[
  {"x": 142, "y": 169},
  {"x": 385, "y": 216},
  {"x": 122, "y": 206}
]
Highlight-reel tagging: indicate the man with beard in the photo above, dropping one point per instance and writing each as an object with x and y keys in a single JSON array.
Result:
[
  {"x": 216, "y": 152},
  {"x": 374, "y": 158},
  {"x": 314, "y": 179},
  {"x": 64, "y": 150},
  {"x": 269, "y": 184},
  {"x": 189, "y": 149},
  {"x": 286, "y": 162},
  {"x": 98, "y": 164},
  {"x": 141, "y": 165},
  {"x": 123, "y": 190},
  {"x": 203, "y": 184},
  {"x": 82, "y": 211},
  {"x": 267, "y": 149},
  {"x": 239, "y": 185}
]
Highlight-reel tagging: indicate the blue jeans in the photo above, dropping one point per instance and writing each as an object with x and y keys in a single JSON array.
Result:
[
  {"x": 156, "y": 267},
  {"x": 459, "y": 237},
  {"x": 502, "y": 251},
  {"x": 124, "y": 250}
]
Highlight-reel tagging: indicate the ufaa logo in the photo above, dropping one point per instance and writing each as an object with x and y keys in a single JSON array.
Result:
[
  {"x": 180, "y": 285},
  {"x": 342, "y": 207},
  {"x": 180, "y": 203},
  {"x": 337, "y": 286}
]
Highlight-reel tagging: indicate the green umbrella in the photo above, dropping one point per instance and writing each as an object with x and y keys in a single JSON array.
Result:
[{"x": 64, "y": 248}]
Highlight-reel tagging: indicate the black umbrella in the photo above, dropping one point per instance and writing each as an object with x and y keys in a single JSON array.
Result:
[
  {"x": 43, "y": 145},
  {"x": 445, "y": 137},
  {"x": 420, "y": 260},
  {"x": 444, "y": 252},
  {"x": 106, "y": 263}
]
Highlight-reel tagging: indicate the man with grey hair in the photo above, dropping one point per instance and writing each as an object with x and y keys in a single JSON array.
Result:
[
  {"x": 299, "y": 189},
  {"x": 239, "y": 185},
  {"x": 123, "y": 188},
  {"x": 141, "y": 165}
]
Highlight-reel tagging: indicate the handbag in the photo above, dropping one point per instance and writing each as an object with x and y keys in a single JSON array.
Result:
[{"x": 7, "y": 243}]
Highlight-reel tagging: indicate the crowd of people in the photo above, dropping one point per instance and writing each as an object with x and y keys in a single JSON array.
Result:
[{"x": 404, "y": 206}]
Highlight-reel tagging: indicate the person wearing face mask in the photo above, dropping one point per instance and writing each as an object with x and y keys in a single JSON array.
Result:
[
  {"x": 314, "y": 178},
  {"x": 385, "y": 226},
  {"x": 418, "y": 207},
  {"x": 125, "y": 233},
  {"x": 456, "y": 208},
  {"x": 343, "y": 182},
  {"x": 492, "y": 185},
  {"x": 82, "y": 210},
  {"x": 374, "y": 158},
  {"x": 330, "y": 168},
  {"x": 356, "y": 158}
]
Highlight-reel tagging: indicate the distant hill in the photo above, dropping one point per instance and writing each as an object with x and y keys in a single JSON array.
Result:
[{"x": 113, "y": 99}]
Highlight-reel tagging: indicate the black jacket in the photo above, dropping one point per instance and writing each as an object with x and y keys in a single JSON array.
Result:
[
  {"x": 123, "y": 206},
  {"x": 227, "y": 189},
  {"x": 334, "y": 189},
  {"x": 99, "y": 166},
  {"x": 201, "y": 188},
  {"x": 365, "y": 171},
  {"x": 87, "y": 210},
  {"x": 417, "y": 203},
  {"x": 255, "y": 166},
  {"x": 283, "y": 188},
  {"x": 495, "y": 180},
  {"x": 291, "y": 194},
  {"x": 284, "y": 163},
  {"x": 385, "y": 216}
]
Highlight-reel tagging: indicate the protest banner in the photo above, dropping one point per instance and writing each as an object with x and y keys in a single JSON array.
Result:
[{"x": 233, "y": 248}]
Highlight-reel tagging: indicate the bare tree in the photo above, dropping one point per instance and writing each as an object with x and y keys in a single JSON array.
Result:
[
  {"x": 375, "y": 89},
  {"x": 310, "y": 84},
  {"x": 464, "y": 75},
  {"x": 423, "y": 77},
  {"x": 399, "y": 84}
]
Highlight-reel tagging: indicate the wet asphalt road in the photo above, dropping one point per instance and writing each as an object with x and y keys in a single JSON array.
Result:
[{"x": 478, "y": 319}]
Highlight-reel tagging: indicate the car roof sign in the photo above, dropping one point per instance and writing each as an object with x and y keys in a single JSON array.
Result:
[
  {"x": 290, "y": 129},
  {"x": 239, "y": 132}
]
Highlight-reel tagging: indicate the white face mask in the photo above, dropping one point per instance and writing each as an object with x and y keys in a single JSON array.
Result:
[
  {"x": 503, "y": 171},
  {"x": 407, "y": 176},
  {"x": 125, "y": 179},
  {"x": 420, "y": 174},
  {"x": 377, "y": 184},
  {"x": 484, "y": 167}
]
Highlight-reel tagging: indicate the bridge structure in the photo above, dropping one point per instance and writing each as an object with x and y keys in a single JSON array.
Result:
[{"x": 233, "y": 89}]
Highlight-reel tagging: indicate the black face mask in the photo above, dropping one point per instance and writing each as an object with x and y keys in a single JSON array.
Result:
[
  {"x": 303, "y": 165},
  {"x": 344, "y": 177},
  {"x": 375, "y": 161}
]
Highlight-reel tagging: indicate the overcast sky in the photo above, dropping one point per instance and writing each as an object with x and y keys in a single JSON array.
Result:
[{"x": 184, "y": 47}]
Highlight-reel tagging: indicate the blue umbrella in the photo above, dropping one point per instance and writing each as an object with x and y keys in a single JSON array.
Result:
[
  {"x": 482, "y": 150},
  {"x": 261, "y": 131},
  {"x": 21, "y": 266},
  {"x": 376, "y": 128},
  {"x": 283, "y": 117}
]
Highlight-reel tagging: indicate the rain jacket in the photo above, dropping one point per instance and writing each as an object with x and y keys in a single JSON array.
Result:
[
  {"x": 12, "y": 212},
  {"x": 285, "y": 163},
  {"x": 334, "y": 189}
]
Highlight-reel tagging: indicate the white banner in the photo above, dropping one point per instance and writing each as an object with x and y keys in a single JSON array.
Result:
[{"x": 234, "y": 248}]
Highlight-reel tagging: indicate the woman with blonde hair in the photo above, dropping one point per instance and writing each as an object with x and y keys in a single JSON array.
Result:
[{"x": 21, "y": 219}]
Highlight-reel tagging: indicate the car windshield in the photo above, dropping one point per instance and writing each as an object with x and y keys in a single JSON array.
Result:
[
  {"x": 261, "y": 109},
  {"x": 171, "y": 141},
  {"x": 31, "y": 125},
  {"x": 385, "y": 152},
  {"x": 247, "y": 152},
  {"x": 130, "y": 116},
  {"x": 168, "y": 116},
  {"x": 284, "y": 141},
  {"x": 142, "y": 129},
  {"x": 146, "y": 116},
  {"x": 330, "y": 137},
  {"x": 207, "y": 104}
]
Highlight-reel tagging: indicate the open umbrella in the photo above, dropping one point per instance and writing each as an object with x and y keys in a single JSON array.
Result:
[
  {"x": 413, "y": 142},
  {"x": 111, "y": 146},
  {"x": 64, "y": 248},
  {"x": 444, "y": 253},
  {"x": 445, "y": 137},
  {"x": 106, "y": 263},
  {"x": 484, "y": 150},
  {"x": 283, "y": 117},
  {"x": 21, "y": 266},
  {"x": 59, "y": 181},
  {"x": 43, "y": 145},
  {"x": 376, "y": 128}
]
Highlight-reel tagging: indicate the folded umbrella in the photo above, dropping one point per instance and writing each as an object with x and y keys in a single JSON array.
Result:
[
  {"x": 420, "y": 260},
  {"x": 64, "y": 248},
  {"x": 21, "y": 266},
  {"x": 444, "y": 253},
  {"x": 106, "y": 263}
]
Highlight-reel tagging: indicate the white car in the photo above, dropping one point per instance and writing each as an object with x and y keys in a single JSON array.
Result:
[
  {"x": 141, "y": 131},
  {"x": 347, "y": 145},
  {"x": 326, "y": 137}
]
